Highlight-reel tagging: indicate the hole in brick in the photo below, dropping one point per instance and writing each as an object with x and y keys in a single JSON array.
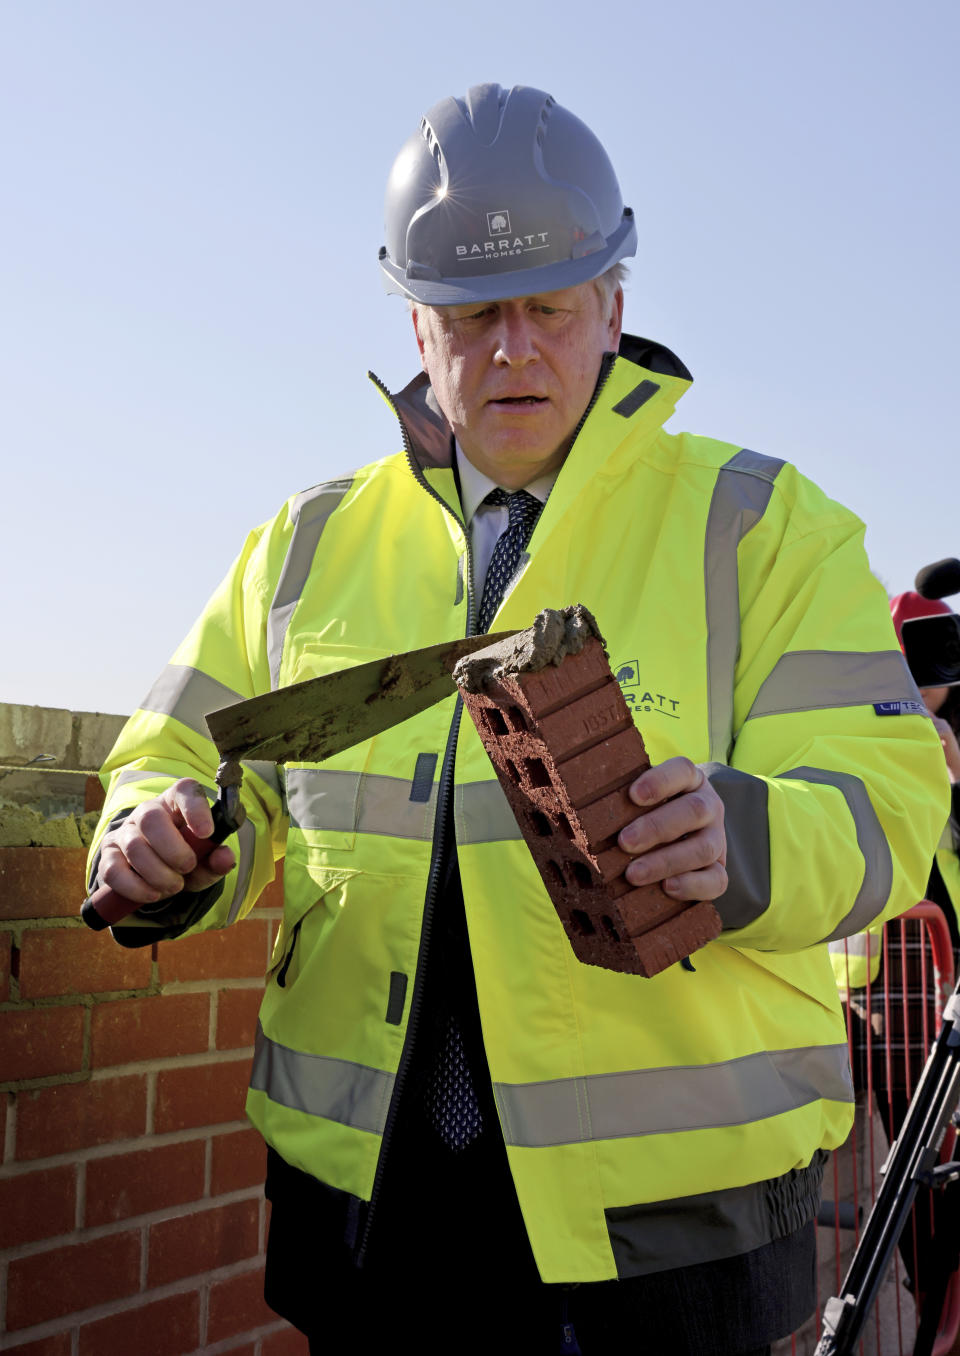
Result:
[
  {"x": 582, "y": 922},
  {"x": 542, "y": 825},
  {"x": 495, "y": 720},
  {"x": 557, "y": 874},
  {"x": 517, "y": 719},
  {"x": 565, "y": 827},
  {"x": 513, "y": 771},
  {"x": 537, "y": 771},
  {"x": 609, "y": 928},
  {"x": 581, "y": 874}
]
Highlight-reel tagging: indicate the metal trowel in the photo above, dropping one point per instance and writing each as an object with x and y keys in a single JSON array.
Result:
[{"x": 308, "y": 722}]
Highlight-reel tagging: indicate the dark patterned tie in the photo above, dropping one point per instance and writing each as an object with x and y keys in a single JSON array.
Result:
[
  {"x": 450, "y": 1094},
  {"x": 524, "y": 510}
]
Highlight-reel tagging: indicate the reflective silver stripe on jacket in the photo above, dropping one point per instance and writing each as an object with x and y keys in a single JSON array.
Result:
[
  {"x": 338, "y": 1089},
  {"x": 740, "y": 498},
  {"x": 575, "y": 1110},
  {"x": 864, "y": 945},
  {"x": 188, "y": 694},
  {"x": 353, "y": 802},
  {"x": 247, "y": 846},
  {"x": 668, "y": 1101},
  {"x": 267, "y": 772},
  {"x": 310, "y": 512},
  {"x": 872, "y": 841},
  {"x": 813, "y": 680},
  {"x": 135, "y": 774}
]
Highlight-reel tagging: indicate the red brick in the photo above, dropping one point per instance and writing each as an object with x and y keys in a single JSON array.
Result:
[
  {"x": 56, "y": 961},
  {"x": 561, "y": 739},
  {"x": 238, "y": 952},
  {"x": 287, "y": 1342},
  {"x": 208, "y": 1094},
  {"x": 237, "y": 1305},
  {"x": 63, "y": 1280},
  {"x": 6, "y": 1100},
  {"x": 39, "y": 1042},
  {"x": 271, "y": 897},
  {"x": 239, "y": 1160},
  {"x": 130, "y": 1029},
  {"x": 42, "y": 882},
  {"x": 35, "y": 1205},
  {"x": 237, "y": 1017},
  {"x": 80, "y": 1115},
  {"x": 59, "y": 1345},
  {"x": 203, "y": 1241},
  {"x": 672, "y": 941},
  {"x": 93, "y": 795},
  {"x": 149, "y": 1179},
  {"x": 167, "y": 1327},
  {"x": 6, "y": 951}
]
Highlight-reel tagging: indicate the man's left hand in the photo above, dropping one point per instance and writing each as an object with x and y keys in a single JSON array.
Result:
[{"x": 680, "y": 840}]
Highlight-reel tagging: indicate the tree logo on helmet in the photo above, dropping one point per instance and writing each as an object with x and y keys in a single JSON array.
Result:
[{"x": 498, "y": 222}]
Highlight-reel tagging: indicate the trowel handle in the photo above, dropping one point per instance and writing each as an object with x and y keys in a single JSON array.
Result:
[{"x": 105, "y": 907}]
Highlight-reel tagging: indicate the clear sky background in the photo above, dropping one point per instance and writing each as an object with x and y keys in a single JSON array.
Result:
[{"x": 190, "y": 299}]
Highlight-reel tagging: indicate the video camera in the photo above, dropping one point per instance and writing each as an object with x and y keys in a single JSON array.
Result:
[
  {"x": 932, "y": 649},
  {"x": 932, "y": 644}
]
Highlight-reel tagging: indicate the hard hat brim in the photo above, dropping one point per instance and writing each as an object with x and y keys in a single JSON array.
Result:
[{"x": 520, "y": 282}]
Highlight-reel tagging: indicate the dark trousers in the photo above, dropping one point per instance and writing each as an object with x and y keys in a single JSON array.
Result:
[{"x": 457, "y": 1278}]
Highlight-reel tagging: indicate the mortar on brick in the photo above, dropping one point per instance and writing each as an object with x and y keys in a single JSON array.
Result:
[
  {"x": 554, "y": 723},
  {"x": 23, "y": 826}
]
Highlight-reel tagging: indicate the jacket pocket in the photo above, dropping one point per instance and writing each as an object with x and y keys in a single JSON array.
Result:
[{"x": 302, "y": 898}]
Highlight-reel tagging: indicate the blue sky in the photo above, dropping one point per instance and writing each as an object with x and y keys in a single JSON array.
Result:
[{"x": 190, "y": 301}]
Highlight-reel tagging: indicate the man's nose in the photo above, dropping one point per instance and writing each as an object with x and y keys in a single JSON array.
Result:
[{"x": 516, "y": 339}]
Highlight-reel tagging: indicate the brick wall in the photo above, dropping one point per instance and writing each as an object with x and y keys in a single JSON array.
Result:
[{"x": 132, "y": 1216}]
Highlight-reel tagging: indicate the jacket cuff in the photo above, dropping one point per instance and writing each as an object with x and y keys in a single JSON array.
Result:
[{"x": 747, "y": 828}]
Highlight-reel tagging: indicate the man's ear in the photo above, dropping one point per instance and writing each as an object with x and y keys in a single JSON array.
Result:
[
  {"x": 415, "y": 317},
  {"x": 616, "y": 319}
]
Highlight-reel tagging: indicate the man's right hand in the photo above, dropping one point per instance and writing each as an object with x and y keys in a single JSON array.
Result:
[{"x": 146, "y": 859}]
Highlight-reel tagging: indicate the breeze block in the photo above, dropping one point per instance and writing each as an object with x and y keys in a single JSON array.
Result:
[{"x": 553, "y": 720}]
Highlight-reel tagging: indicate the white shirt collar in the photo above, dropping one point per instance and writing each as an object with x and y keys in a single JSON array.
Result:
[{"x": 475, "y": 485}]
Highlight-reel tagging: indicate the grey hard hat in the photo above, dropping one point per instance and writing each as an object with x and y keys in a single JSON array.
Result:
[{"x": 501, "y": 194}]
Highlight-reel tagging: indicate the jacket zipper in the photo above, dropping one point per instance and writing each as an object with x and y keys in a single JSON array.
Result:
[
  {"x": 433, "y": 876},
  {"x": 282, "y": 972},
  {"x": 443, "y": 791}
]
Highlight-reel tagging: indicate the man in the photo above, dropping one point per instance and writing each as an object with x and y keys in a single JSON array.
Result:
[{"x": 476, "y": 1142}]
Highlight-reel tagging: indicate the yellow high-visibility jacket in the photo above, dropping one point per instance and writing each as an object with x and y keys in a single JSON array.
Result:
[
  {"x": 856, "y": 960},
  {"x": 642, "y": 1118}
]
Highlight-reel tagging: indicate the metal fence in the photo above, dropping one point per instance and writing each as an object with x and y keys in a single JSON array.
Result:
[{"x": 892, "y": 1022}]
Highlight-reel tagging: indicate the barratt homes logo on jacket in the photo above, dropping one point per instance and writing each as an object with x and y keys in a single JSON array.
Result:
[
  {"x": 501, "y": 241},
  {"x": 640, "y": 697}
]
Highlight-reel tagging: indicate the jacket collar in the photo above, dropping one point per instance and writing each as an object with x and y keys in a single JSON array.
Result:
[{"x": 628, "y": 380}]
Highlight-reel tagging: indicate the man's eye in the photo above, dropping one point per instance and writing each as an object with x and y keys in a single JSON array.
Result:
[{"x": 549, "y": 310}]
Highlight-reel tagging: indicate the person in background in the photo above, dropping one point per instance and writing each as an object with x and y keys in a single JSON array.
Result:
[{"x": 942, "y": 700}]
